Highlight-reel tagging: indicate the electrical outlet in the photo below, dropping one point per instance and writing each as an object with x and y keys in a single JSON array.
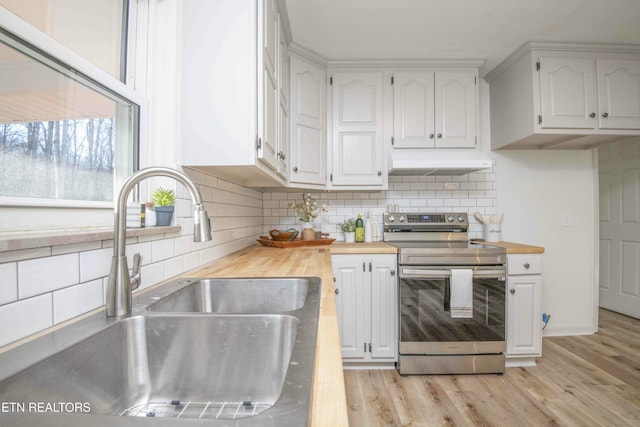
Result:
[{"x": 566, "y": 220}]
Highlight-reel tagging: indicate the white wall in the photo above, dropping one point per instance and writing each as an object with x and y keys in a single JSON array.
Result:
[{"x": 535, "y": 190}]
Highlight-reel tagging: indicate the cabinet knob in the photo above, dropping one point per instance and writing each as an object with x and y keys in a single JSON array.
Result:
[
  {"x": 393, "y": 272},
  {"x": 605, "y": 115},
  {"x": 295, "y": 169},
  {"x": 337, "y": 291},
  {"x": 439, "y": 135},
  {"x": 592, "y": 115},
  {"x": 512, "y": 291},
  {"x": 379, "y": 173},
  {"x": 431, "y": 136},
  {"x": 526, "y": 265}
]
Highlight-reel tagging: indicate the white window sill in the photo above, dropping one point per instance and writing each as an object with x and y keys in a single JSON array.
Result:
[{"x": 15, "y": 241}]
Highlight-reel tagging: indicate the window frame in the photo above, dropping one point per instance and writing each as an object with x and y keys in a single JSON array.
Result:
[{"x": 83, "y": 213}]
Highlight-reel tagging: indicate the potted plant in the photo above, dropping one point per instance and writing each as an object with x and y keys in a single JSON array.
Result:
[
  {"x": 164, "y": 201},
  {"x": 307, "y": 212},
  {"x": 349, "y": 228}
]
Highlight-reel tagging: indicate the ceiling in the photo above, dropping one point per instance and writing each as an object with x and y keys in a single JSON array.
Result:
[{"x": 455, "y": 29}]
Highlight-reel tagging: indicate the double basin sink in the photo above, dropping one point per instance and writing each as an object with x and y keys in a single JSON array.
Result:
[{"x": 221, "y": 351}]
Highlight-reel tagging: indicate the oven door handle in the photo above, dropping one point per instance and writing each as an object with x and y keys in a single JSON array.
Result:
[{"x": 425, "y": 273}]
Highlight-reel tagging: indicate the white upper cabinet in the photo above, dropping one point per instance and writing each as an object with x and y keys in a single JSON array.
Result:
[
  {"x": 565, "y": 96},
  {"x": 618, "y": 94},
  {"x": 356, "y": 143},
  {"x": 308, "y": 123},
  {"x": 231, "y": 96},
  {"x": 456, "y": 109},
  {"x": 567, "y": 93},
  {"x": 413, "y": 110},
  {"x": 435, "y": 109}
]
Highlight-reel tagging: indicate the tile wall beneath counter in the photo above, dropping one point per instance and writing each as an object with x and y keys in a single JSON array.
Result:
[
  {"x": 475, "y": 192},
  {"x": 45, "y": 286}
]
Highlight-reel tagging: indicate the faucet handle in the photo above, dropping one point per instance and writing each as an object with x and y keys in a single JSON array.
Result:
[{"x": 135, "y": 278}]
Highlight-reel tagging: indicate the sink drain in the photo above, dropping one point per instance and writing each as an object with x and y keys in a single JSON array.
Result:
[{"x": 197, "y": 410}]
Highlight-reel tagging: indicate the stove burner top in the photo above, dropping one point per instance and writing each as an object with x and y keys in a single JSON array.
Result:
[{"x": 437, "y": 239}]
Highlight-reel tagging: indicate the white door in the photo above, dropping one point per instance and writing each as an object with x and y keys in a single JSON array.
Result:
[
  {"x": 348, "y": 271},
  {"x": 308, "y": 111},
  {"x": 618, "y": 94},
  {"x": 567, "y": 93},
  {"x": 384, "y": 307},
  {"x": 455, "y": 109},
  {"x": 413, "y": 115},
  {"x": 619, "y": 170},
  {"x": 357, "y": 129}
]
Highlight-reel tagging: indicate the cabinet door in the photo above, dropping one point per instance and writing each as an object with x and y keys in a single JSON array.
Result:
[
  {"x": 384, "y": 307},
  {"x": 348, "y": 271},
  {"x": 524, "y": 331},
  {"x": 308, "y": 124},
  {"x": 618, "y": 94},
  {"x": 455, "y": 109},
  {"x": 270, "y": 100},
  {"x": 413, "y": 115},
  {"x": 283, "y": 113},
  {"x": 357, "y": 129},
  {"x": 567, "y": 93}
]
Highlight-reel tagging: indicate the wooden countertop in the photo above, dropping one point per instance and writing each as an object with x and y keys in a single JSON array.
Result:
[
  {"x": 329, "y": 407},
  {"x": 513, "y": 248},
  {"x": 362, "y": 248}
]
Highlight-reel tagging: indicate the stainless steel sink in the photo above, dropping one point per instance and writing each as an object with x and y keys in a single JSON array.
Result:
[
  {"x": 169, "y": 369},
  {"x": 237, "y": 295}
]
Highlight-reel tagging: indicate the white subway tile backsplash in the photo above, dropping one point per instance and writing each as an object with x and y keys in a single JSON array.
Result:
[
  {"x": 8, "y": 282},
  {"x": 95, "y": 264},
  {"x": 41, "y": 275},
  {"x": 76, "y": 300},
  {"x": 26, "y": 317},
  {"x": 162, "y": 249}
]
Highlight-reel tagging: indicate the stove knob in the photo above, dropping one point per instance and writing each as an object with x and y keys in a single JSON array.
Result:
[
  {"x": 450, "y": 218},
  {"x": 460, "y": 218},
  {"x": 402, "y": 218},
  {"x": 391, "y": 218}
]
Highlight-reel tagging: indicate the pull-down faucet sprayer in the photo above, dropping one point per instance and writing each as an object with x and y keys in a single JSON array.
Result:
[{"x": 120, "y": 284}]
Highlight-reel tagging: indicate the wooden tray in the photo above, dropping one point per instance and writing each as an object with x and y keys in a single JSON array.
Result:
[{"x": 294, "y": 243}]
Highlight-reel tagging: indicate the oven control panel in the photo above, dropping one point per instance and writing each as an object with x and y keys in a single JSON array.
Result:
[{"x": 426, "y": 220}]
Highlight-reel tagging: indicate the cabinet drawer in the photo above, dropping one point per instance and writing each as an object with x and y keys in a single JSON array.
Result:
[{"x": 524, "y": 264}]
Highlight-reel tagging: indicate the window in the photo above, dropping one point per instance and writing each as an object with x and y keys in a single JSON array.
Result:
[
  {"x": 69, "y": 131},
  {"x": 94, "y": 29}
]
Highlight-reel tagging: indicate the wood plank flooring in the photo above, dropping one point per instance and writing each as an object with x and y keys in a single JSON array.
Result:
[{"x": 580, "y": 381}]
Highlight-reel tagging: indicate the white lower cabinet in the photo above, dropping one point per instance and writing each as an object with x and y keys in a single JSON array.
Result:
[
  {"x": 367, "y": 307},
  {"x": 524, "y": 316}
]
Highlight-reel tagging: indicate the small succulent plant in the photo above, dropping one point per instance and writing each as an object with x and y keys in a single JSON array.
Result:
[{"x": 163, "y": 197}]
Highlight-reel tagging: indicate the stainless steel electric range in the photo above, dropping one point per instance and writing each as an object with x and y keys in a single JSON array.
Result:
[{"x": 451, "y": 293}]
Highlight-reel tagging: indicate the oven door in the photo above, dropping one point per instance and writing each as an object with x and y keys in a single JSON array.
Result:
[{"x": 426, "y": 322}]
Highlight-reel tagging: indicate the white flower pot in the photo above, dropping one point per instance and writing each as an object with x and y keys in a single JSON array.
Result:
[{"x": 349, "y": 236}]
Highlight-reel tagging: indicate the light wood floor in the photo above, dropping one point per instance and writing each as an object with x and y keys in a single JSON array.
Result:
[{"x": 580, "y": 381}]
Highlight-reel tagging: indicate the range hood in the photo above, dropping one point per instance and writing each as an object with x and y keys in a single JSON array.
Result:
[{"x": 437, "y": 162}]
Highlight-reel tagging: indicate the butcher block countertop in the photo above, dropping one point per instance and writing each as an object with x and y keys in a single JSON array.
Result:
[
  {"x": 513, "y": 248},
  {"x": 362, "y": 248},
  {"x": 329, "y": 407}
]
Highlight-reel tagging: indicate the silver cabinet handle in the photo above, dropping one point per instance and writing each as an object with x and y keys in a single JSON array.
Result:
[
  {"x": 337, "y": 291},
  {"x": 592, "y": 115},
  {"x": 439, "y": 135},
  {"x": 605, "y": 115},
  {"x": 526, "y": 265},
  {"x": 431, "y": 136},
  {"x": 379, "y": 173},
  {"x": 512, "y": 291},
  {"x": 295, "y": 169},
  {"x": 393, "y": 272}
]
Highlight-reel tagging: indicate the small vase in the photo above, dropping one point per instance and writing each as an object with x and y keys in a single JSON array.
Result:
[
  {"x": 349, "y": 236},
  {"x": 308, "y": 233}
]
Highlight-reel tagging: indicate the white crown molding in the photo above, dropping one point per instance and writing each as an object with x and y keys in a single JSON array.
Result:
[
  {"x": 407, "y": 63},
  {"x": 307, "y": 54}
]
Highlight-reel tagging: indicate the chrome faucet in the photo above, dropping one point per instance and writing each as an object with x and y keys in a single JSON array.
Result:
[{"x": 120, "y": 285}]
